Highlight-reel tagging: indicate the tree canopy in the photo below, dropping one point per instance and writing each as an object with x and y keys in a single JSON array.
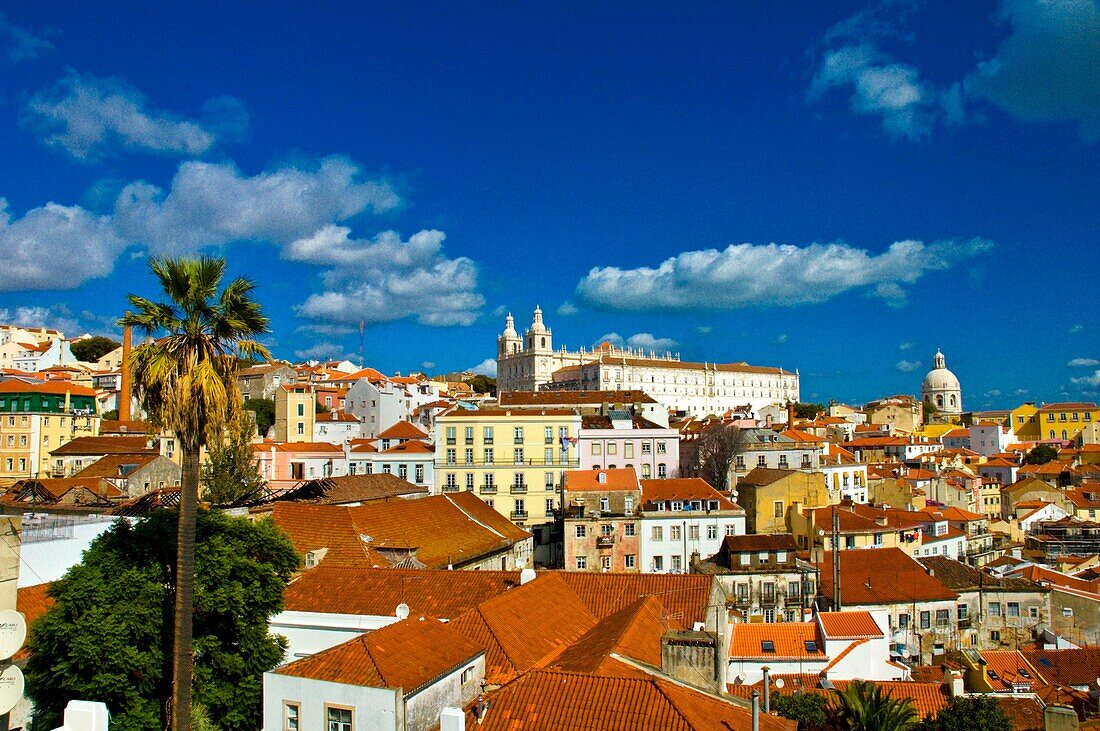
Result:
[
  {"x": 867, "y": 707},
  {"x": 108, "y": 635},
  {"x": 264, "y": 408},
  {"x": 718, "y": 447},
  {"x": 1041, "y": 454},
  {"x": 807, "y": 410},
  {"x": 811, "y": 710},
  {"x": 230, "y": 471},
  {"x": 89, "y": 350},
  {"x": 969, "y": 713},
  {"x": 483, "y": 384}
]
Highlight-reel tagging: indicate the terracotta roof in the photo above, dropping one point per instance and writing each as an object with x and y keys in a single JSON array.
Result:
[
  {"x": 1084, "y": 498},
  {"x": 108, "y": 427},
  {"x": 961, "y": 577},
  {"x": 876, "y": 576},
  {"x": 85, "y": 446},
  {"x": 684, "y": 489},
  {"x": 297, "y": 447},
  {"x": 1070, "y": 406},
  {"x": 740, "y": 367},
  {"x": 749, "y": 641},
  {"x": 623, "y": 478},
  {"x": 362, "y": 445},
  {"x": 1011, "y": 668},
  {"x": 551, "y": 699},
  {"x": 33, "y": 601},
  {"x": 1024, "y": 713},
  {"x": 634, "y": 631},
  {"x": 58, "y": 388},
  {"x": 408, "y": 655},
  {"x": 760, "y": 542},
  {"x": 338, "y": 416},
  {"x": 849, "y": 625},
  {"x": 412, "y": 446},
  {"x": 116, "y": 465},
  {"x": 599, "y": 421},
  {"x": 686, "y": 597},
  {"x": 1073, "y": 667},
  {"x": 951, "y": 513},
  {"x": 402, "y": 430},
  {"x": 557, "y": 398},
  {"x": 526, "y": 626},
  {"x": 445, "y": 529},
  {"x": 352, "y": 489},
  {"x": 377, "y": 592},
  {"x": 760, "y": 476},
  {"x": 522, "y": 413}
]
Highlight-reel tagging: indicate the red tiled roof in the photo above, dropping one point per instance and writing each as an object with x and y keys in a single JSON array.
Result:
[
  {"x": 58, "y": 388},
  {"x": 377, "y": 592},
  {"x": 82, "y": 446},
  {"x": 623, "y": 478},
  {"x": 876, "y": 576},
  {"x": 402, "y": 430},
  {"x": 1070, "y": 406},
  {"x": 1072, "y": 667},
  {"x": 1010, "y": 667},
  {"x": 412, "y": 446},
  {"x": 297, "y": 447},
  {"x": 849, "y": 625},
  {"x": 686, "y": 597},
  {"x": 408, "y": 655},
  {"x": 634, "y": 631},
  {"x": 684, "y": 489},
  {"x": 116, "y": 465},
  {"x": 788, "y": 640},
  {"x": 550, "y": 699}
]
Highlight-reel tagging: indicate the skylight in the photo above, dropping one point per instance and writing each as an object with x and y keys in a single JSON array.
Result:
[
  {"x": 767, "y": 646},
  {"x": 811, "y": 646}
]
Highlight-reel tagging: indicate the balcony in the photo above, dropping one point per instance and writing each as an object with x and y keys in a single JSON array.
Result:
[
  {"x": 518, "y": 489},
  {"x": 450, "y": 488},
  {"x": 769, "y": 600},
  {"x": 605, "y": 541},
  {"x": 488, "y": 489},
  {"x": 518, "y": 515},
  {"x": 743, "y": 600}
]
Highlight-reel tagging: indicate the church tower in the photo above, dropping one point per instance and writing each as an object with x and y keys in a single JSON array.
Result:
[
  {"x": 508, "y": 342},
  {"x": 539, "y": 337}
]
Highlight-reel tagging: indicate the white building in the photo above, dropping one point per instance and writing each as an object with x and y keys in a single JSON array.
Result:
[
  {"x": 941, "y": 388},
  {"x": 380, "y": 404},
  {"x": 989, "y": 438},
  {"x": 532, "y": 364},
  {"x": 34, "y": 357},
  {"x": 336, "y": 427},
  {"x": 683, "y": 517}
]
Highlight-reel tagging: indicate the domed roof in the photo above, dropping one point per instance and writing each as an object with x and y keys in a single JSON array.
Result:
[{"x": 939, "y": 378}]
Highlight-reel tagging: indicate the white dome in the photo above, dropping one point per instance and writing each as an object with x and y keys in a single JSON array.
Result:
[{"x": 940, "y": 379}]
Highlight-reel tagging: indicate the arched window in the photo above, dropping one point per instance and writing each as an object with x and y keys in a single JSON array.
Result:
[
  {"x": 939, "y": 400},
  {"x": 1064, "y": 435},
  {"x": 1052, "y": 434},
  {"x": 645, "y": 472},
  {"x": 952, "y": 399},
  {"x": 544, "y": 342}
]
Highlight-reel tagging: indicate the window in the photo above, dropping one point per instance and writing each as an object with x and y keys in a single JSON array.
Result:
[
  {"x": 548, "y": 480},
  {"x": 783, "y": 461},
  {"x": 628, "y": 504},
  {"x": 629, "y": 561},
  {"x": 1014, "y": 609},
  {"x": 387, "y": 468},
  {"x": 740, "y": 462},
  {"x": 301, "y": 428},
  {"x": 628, "y": 529},
  {"x": 628, "y": 450},
  {"x": 469, "y": 455},
  {"x": 605, "y": 563},
  {"x": 339, "y": 719},
  {"x": 582, "y": 563},
  {"x": 962, "y": 611},
  {"x": 597, "y": 448},
  {"x": 517, "y": 481},
  {"x": 761, "y": 461},
  {"x": 731, "y": 530},
  {"x": 469, "y": 434},
  {"x": 943, "y": 617},
  {"x": 712, "y": 532},
  {"x": 646, "y": 473},
  {"x": 520, "y": 509},
  {"x": 1033, "y": 612},
  {"x": 605, "y": 504},
  {"x": 548, "y": 435},
  {"x": 290, "y": 716},
  {"x": 677, "y": 563},
  {"x": 301, "y": 409},
  {"x": 656, "y": 534},
  {"x": 646, "y": 448},
  {"x": 925, "y": 620},
  {"x": 469, "y": 480},
  {"x": 403, "y": 471},
  {"x": 767, "y": 646},
  {"x": 674, "y": 533},
  {"x": 794, "y": 589},
  {"x": 517, "y": 435},
  {"x": 662, "y": 448},
  {"x": 489, "y": 456},
  {"x": 658, "y": 563},
  {"x": 994, "y": 609},
  {"x": 903, "y": 620},
  {"x": 517, "y": 457},
  {"x": 811, "y": 646},
  {"x": 450, "y": 456},
  {"x": 693, "y": 532},
  {"x": 994, "y": 636},
  {"x": 467, "y": 675},
  {"x": 849, "y": 541},
  {"x": 777, "y": 509},
  {"x": 451, "y": 480},
  {"x": 612, "y": 448},
  {"x": 662, "y": 470},
  {"x": 487, "y": 435}
]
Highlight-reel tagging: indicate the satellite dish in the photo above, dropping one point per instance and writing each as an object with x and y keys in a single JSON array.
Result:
[
  {"x": 402, "y": 611},
  {"x": 739, "y": 679},
  {"x": 779, "y": 683},
  {"x": 13, "y": 632},
  {"x": 905, "y": 652},
  {"x": 11, "y": 687}
]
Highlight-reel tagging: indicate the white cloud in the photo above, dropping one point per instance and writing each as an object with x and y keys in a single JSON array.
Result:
[
  {"x": 1020, "y": 392},
  {"x": 1074, "y": 329},
  {"x": 905, "y": 346},
  {"x": 487, "y": 367},
  {"x": 322, "y": 351},
  {"x": 84, "y": 115},
  {"x": 567, "y": 308},
  {"x": 703, "y": 329},
  {"x": 880, "y": 87},
  {"x": 428, "y": 365},
  {"x": 20, "y": 44},
  {"x": 1083, "y": 363},
  {"x": 55, "y": 247},
  {"x": 907, "y": 366},
  {"x": 780, "y": 339},
  {"x": 769, "y": 274},
  {"x": 1093, "y": 380},
  {"x": 57, "y": 317},
  {"x": 212, "y": 204},
  {"x": 645, "y": 341},
  {"x": 385, "y": 279},
  {"x": 995, "y": 393},
  {"x": 1046, "y": 68}
]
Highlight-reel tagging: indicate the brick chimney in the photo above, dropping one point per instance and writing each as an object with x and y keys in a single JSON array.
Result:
[{"x": 124, "y": 393}]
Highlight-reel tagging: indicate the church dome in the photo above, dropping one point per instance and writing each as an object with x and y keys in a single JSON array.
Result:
[{"x": 941, "y": 387}]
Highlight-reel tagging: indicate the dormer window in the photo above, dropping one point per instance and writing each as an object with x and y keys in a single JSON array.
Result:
[{"x": 677, "y": 505}]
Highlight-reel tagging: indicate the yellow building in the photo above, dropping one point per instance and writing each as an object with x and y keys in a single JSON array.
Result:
[
  {"x": 35, "y": 419},
  {"x": 295, "y": 413},
  {"x": 771, "y": 496},
  {"x": 1024, "y": 422},
  {"x": 1065, "y": 421},
  {"x": 515, "y": 460},
  {"x": 813, "y": 529}
]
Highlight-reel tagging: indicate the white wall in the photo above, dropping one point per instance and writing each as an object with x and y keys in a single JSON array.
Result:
[
  {"x": 45, "y": 561},
  {"x": 667, "y": 548},
  {"x": 308, "y": 633},
  {"x": 375, "y": 709}
]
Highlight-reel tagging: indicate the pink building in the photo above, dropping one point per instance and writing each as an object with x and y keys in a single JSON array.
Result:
[
  {"x": 285, "y": 465},
  {"x": 619, "y": 440},
  {"x": 602, "y": 520}
]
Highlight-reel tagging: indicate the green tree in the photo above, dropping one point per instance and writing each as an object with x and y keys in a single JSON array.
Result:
[
  {"x": 107, "y": 637},
  {"x": 187, "y": 381},
  {"x": 111, "y": 415},
  {"x": 264, "y": 409},
  {"x": 809, "y": 709},
  {"x": 1041, "y": 454},
  {"x": 865, "y": 707},
  {"x": 483, "y": 384},
  {"x": 718, "y": 446},
  {"x": 230, "y": 471},
  {"x": 89, "y": 350},
  {"x": 807, "y": 410},
  {"x": 969, "y": 713}
]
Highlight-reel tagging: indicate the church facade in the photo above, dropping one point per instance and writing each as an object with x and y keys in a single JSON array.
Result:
[{"x": 530, "y": 363}]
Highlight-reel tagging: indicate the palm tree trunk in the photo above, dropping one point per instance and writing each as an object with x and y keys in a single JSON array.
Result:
[{"x": 185, "y": 591}]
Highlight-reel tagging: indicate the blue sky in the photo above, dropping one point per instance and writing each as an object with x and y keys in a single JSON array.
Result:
[{"x": 837, "y": 188}]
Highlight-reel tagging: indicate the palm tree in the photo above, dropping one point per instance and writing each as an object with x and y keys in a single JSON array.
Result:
[
  {"x": 187, "y": 384},
  {"x": 864, "y": 707}
]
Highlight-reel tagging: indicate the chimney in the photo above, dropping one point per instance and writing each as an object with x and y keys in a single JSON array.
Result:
[
  {"x": 756, "y": 710},
  {"x": 452, "y": 719},
  {"x": 124, "y": 391},
  {"x": 526, "y": 575}
]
